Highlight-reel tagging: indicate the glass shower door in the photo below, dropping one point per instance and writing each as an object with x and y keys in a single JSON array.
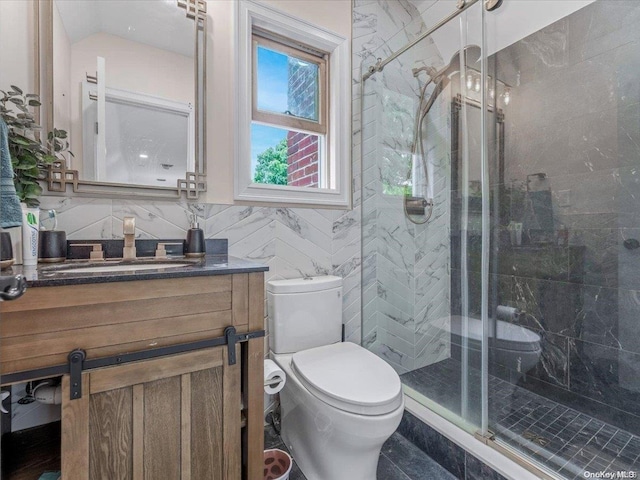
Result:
[
  {"x": 565, "y": 360},
  {"x": 422, "y": 215}
]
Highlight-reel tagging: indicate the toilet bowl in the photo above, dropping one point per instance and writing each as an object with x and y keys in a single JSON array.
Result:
[
  {"x": 514, "y": 347},
  {"x": 335, "y": 435},
  {"x": 340, "y": 402}
]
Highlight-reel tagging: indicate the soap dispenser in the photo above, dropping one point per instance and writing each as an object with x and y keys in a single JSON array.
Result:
[{"x": 194, "y": 246}]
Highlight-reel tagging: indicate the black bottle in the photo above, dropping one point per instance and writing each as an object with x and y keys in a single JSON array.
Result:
[{"x": 194, "y": 246}]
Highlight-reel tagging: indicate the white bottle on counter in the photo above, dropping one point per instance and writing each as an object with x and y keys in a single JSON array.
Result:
[{"x": 30, "y": 227}]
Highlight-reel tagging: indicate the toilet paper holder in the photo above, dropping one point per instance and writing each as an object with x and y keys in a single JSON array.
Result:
[{"x": 274, "y": 377}]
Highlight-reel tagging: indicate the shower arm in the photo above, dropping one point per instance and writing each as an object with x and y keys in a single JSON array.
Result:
[
  {"x": 419, "y": 111},
  {"x": 422, "y": 113},
  {"x": 418, "y": 148}
]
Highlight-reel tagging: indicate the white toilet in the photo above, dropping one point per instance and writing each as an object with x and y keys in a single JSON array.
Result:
[{"x": 340, "y": 402}]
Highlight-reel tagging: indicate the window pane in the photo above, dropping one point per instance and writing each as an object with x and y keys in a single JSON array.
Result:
[
  {"x": 285, "y": 157},
  {"x": 287, "y": 84}
]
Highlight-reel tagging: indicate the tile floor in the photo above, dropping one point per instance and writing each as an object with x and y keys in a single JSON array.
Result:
[
  {"x": 399, "y": 460},
  {"x": 557, "y": 436}
]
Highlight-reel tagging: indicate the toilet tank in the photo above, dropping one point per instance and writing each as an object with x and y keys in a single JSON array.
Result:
[{"x": 304, "y": 313}]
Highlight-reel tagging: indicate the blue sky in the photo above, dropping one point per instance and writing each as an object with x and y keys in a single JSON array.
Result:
[{"x": 272, "y": 96}]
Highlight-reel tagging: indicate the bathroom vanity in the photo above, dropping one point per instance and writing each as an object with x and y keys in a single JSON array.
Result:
[{"x": 155, "y": 383}]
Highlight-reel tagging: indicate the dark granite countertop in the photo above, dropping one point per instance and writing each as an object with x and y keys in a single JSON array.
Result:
[{"x": 45, "y": 275}]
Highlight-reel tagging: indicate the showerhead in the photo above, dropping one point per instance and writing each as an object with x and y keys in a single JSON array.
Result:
[
  {"x": 472, "y": 54},
  {"x": 431, "y": 71}
]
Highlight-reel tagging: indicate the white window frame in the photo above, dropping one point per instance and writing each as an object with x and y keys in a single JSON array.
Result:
[
  {"x": 338, "y": 145},
  {"x": 291, "y": 122}
]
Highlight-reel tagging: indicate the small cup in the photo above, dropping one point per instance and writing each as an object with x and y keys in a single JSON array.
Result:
[
  {"x": 52, "y": 246},
  {"x": 6, "y": 250},
  {"x": 195, "y": 245}
]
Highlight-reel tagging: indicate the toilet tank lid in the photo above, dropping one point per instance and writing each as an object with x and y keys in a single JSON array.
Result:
[{"x": 307, "y": 284}]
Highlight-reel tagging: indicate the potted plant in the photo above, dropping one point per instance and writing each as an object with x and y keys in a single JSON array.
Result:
[{"x": 30, "y": 154}]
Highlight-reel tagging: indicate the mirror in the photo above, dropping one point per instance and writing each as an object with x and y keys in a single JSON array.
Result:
[
  {"x": 126, "y": 81},
  {"x": 473, "y": 125}
]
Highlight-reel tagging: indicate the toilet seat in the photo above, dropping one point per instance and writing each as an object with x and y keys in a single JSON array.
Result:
[{"x": 350, "y": 378}]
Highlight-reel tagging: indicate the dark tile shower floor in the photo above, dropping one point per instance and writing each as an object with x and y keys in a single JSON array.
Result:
[
  {"x": 399, "y": 460},
  {"x": 559, "y": 437}
]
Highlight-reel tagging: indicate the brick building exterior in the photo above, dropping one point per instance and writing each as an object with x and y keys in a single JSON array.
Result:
[{"x": 302, "y": 149}]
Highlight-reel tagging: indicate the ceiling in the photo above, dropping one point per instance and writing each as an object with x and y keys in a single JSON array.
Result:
[
  {"x": 158, "y": 23},
  {"x": 508, "y": 24}
]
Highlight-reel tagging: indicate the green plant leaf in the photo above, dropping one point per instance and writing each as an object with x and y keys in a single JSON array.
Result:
[
  {"x": 22, "y": 166},
  {"x": 33, "y": 172},
  {"x": 19, "y": 141},
  {"x": 32, "y": 191},
  {"x": 30, "y": 154},
  {"x": 27, "y": 181}
]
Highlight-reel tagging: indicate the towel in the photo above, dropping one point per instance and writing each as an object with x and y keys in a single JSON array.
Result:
[
  {"x": 50, "y": 476},
  {"x": 10, "y": 211}
]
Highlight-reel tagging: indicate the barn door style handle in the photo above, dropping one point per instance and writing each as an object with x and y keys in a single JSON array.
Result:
[
  {"x": 232, "y": 339},
  {"x": 76, "y": 360}
]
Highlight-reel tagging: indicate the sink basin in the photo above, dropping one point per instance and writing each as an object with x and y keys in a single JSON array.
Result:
[
  {"x": 122, "y": 268},
  {"x": 119, "y": 266}
]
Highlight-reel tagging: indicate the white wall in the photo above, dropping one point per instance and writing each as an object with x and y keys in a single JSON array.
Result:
[
  {"x": 134, "y": 67},
  {"x": 334, "y": 15},
  {"x": 130, "y": 66},
  {"x": 16, "y": 44},
  {"x": 62, "y": 77}
]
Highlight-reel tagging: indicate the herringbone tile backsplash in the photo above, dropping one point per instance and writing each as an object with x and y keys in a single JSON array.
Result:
[{"x": 293, "y": 242}]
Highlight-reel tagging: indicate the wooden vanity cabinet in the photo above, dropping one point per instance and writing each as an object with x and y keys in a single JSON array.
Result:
[
  {"x": 172, "y": 417},
  {"x": 175, "y": 417}
]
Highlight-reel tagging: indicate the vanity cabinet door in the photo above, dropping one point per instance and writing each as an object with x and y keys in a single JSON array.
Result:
[{"x": 173, "y": 418}]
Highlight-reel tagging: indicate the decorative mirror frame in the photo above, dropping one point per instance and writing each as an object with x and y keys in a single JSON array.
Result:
[{"x": 60, "y": 179}]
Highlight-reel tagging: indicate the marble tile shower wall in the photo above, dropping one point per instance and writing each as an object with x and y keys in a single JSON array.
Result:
[
  {"x": 576, "y": 117},
  {"x": 405, "y": 266},
  {"x": 293, "y": 242}
]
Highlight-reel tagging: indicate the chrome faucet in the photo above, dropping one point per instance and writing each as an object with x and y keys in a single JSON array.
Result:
[{"x": 129, "y": 231}]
